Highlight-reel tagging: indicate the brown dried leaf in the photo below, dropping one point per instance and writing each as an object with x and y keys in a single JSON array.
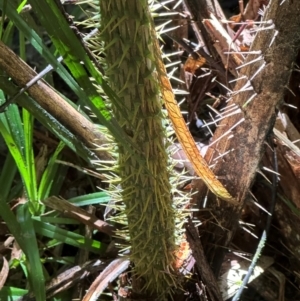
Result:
[
  {"x": 185, "y": 138},
  {"x": 79, "y": 214},
  {"x": 4, "y": 271},
  {"x": 109, "y": 274},
  {"x": 294, "y": 161},
  {"x": 191, "y": 64},
  {"x": 235, "y": 19},
  {"x": 223, "y": 44}
]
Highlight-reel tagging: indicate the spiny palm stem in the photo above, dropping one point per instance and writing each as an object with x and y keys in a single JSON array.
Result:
[{"x": 126, "y": 28}]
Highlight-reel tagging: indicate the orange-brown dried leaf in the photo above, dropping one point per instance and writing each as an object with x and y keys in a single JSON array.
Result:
[
  {"x": 192, "y": 64},
  {"x": 186, "y": 139},
  {"x": 182, "y": 254},
  {"x": 235, "y": 19},
  {"x": 244, "y": 48}
]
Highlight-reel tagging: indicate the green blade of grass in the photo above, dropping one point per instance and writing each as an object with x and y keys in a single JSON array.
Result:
[
  {"x": 12, "y": 123},
  {"x": 7, "y": 175},
  {"x": 71, "y": 48},
  {"x": 13, "y": 146},
  {"x": 10, "y": 293},
  {"x": 74, "y": 53},
  {"x": 8, "y": 33},
  {"x": 56, "y": 25},
  {"x": 91, "y": 199},
  {"x": 12, "y": 131},
  {"x": 56, "y": 220},
  {"x": 69, "y": 237},
  {"x": 30, "y": 163},
  {"x": 31, "y": 250},
  {"x": 38, "y": 44},
  {"x": 20, "y": 146}
]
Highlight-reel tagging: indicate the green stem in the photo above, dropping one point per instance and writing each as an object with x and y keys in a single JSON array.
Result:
[{"x": 126, "y": 31}]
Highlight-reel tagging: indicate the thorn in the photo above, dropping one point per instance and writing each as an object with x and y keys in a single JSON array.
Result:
[
  {"x": 173, "y": 64},
  {"x": 232, "y": 105},
  {"x": 222, "y": 155},
  {"x": 261, "y": 173},
  {"x": 271, "y": 170},
  {"x": 165, "y": 30},
  {"x": 249, "y": 100},
  {"x": 164, "y": 56},
  {"x": 287, "y": 87},
  {"x": 249, "y": 63},
  {"x": 223, "y": 86},
  {"x": 290, "y": 106},
  {"x": 177, "y": 4},
  {"x": 230, "y": 108},
  {"x": 247, "y": 22},
  {"x": 181, "y": 102},
  {"x": 251, "y": 233},
  {"x": 295, "y": 141},
  {"x": 268, "y": 145},
  {"x": 247, "y": 87},
  {"x": 258, "y": 70},
  {"x": 274, "y": 37},
  {"x": 263, "y": 28},
  {"x": 227, "y": 132},
  {"x": 214, "y": 110},
  {"x": 205, "y": 125},
  {"x": 255, "y": 202},
  {"x": 236, "y": 79},
  {"x": 205, "y": 74},
  {"x": 243, "y": 52},
  {"x": 237, "y": 111}
]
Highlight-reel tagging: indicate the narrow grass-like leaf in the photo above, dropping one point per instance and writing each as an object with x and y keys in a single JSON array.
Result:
[
  {"x": 31, "y": 250},
  {"x": 30, "y": 163},
  {"x": 69, "y": 237},
  {"x": 6, "y": 179},
  {"x": 10, "y": 293},
  {"x": 14, "y": 149},
  {"x": 91, "y": 199},
  {"x": 70, "y": 47},
  {"x": 56, "y": 220},
  {"x": 7, "y": 175},
  {"x": 38, "y": 44},
  {"x": 8, "y": 29},
  {"x": 12, "y": 123}
]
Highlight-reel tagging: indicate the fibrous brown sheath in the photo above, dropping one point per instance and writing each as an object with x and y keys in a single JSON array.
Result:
[{"x": 243, "y": 134}]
